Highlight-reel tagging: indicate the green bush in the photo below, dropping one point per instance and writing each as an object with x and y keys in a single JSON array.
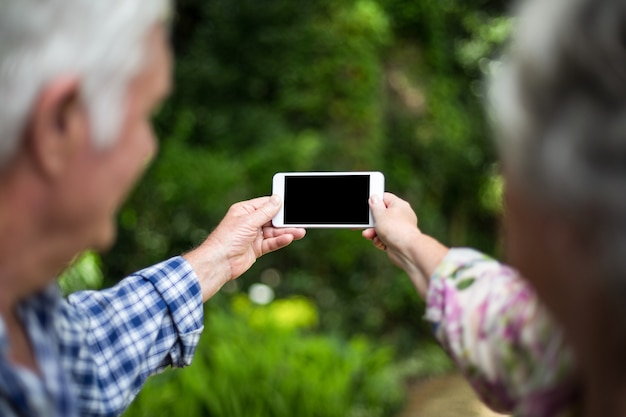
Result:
[
  {"x": 269, "y": 361},
  {"x": 278, "y": 85},
  {"x": 84, "y": 273}
]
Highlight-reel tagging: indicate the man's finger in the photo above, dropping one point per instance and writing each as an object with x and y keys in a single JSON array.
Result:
[
  {"x": 275, "y": 243},
  {"x": 297, "y": 233}
]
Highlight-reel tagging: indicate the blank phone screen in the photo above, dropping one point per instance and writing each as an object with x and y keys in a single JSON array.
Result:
[{"x": 327, "y": 199}]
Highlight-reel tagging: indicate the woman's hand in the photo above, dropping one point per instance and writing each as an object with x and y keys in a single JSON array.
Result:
[{"x": 397, "y": 233}]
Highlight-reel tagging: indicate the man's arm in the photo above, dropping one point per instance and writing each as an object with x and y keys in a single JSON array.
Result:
[
  {"x": 118, "y": 337},
  {"x": 115, "y": 339}
]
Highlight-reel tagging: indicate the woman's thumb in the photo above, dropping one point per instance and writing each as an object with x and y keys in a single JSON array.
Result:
[{"x": 377, "y": 205}]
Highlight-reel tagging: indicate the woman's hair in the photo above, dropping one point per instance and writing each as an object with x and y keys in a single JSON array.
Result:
[
  {"x": 558, "y": 102},
  {"x": 99, "y": 41}
]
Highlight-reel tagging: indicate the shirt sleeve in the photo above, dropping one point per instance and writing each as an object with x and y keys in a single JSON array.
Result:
[
  {"x": 490, "y": 322},
  {"x": 118, "y": 337}
]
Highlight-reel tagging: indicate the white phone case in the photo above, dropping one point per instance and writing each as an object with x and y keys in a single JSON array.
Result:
[{"x": 326, "y": 199}]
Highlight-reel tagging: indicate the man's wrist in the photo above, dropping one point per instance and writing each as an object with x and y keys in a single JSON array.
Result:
[{"x": 210, "y": 264}]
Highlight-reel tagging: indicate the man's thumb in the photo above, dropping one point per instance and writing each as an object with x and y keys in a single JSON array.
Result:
[{"x": 267, "y": 211}]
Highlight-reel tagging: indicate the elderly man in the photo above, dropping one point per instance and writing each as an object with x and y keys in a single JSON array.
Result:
[{"x": 79, "y": 81}]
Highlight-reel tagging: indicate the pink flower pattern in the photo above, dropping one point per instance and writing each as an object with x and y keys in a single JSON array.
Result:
[{"x": 489, "y": 320}]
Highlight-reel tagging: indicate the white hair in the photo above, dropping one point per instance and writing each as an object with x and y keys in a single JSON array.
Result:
[
  {"x": 101, "y": 42},
  {"x": 558, "y": 101}
]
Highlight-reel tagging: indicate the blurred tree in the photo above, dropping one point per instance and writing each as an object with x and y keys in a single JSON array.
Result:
[{"x": 283, "y": 85}]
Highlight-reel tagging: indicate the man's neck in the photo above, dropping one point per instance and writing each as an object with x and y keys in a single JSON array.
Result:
[
  {"x": 20, "y": 351},
  {"x": 31, "y": 252},
  {"x": 29, "y": 255}
]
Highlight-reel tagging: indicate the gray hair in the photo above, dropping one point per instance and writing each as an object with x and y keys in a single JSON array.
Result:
[
  {"x": 558, "y": 100},
  {"x": 99, "y": 41}
]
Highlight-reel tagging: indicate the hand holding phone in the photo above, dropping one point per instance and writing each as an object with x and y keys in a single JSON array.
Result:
[{"x": 326, "y": 199}]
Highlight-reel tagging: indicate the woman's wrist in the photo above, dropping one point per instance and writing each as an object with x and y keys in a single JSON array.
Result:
[{"x": 426, "y": 255}]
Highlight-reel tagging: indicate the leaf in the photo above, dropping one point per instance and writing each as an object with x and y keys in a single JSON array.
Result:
[{"x": 466, "y": 283}]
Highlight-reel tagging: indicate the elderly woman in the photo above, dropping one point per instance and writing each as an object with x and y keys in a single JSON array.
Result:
[{"x": 558, "y": 101}]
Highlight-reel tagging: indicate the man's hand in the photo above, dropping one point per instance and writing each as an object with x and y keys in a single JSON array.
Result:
[{"x": 245, "y": 234}]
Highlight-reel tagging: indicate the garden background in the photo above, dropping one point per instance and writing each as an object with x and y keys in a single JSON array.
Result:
[{"x": 328, "y": 326}]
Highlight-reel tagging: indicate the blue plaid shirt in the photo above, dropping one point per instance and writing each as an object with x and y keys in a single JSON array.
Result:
[{"x": 96, "y": 349}]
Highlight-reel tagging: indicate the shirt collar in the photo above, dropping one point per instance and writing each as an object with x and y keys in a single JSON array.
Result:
[
  {"x": 43, "y": 302},
  {"x": 4, "y": 339}
]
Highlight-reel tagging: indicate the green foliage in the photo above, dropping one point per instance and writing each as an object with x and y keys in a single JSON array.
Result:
[
  {"x": 269, "y": 367},
  {"x": 431, "y": 361},
  {"x": 84, "y": 273},
  {"x": 487, "y": 35},
  {"x": 285, "y": 314},
  {"x": 296, "y": 85},
  {"x": 491, "y": 194},
  {"x": 283, "y": 85}
]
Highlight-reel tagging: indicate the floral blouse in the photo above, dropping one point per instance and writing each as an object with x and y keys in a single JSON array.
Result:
[{"x": 491, "y": 323}]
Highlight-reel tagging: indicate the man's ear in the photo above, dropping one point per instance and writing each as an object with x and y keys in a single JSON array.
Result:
[{"x": 58, "y": 126}]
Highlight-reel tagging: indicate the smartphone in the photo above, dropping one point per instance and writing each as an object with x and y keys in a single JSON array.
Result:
[{"x": 326, "y": 199}]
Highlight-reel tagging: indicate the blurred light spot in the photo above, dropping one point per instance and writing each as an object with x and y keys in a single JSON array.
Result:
[
  {"x": 260, "y": 294},
  {"x": 271, "y": 277},
  {"x": 326, "y": 297},
  {"x": 484, "y": 64},
  {"x": 491, "y": 194}
]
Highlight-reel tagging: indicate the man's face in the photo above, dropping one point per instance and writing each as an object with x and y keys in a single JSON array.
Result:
[{"x": 99, "y": 180}]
